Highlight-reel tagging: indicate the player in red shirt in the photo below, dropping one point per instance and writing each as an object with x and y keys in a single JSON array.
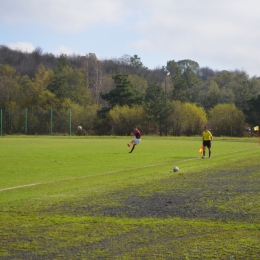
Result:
[{"x": 136, "y": 140}]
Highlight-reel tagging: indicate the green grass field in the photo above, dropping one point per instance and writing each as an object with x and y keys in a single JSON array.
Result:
[{"x": 88, "y": 198}]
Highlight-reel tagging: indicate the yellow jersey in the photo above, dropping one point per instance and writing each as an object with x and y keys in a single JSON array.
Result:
[{"x": 206, "y": 135}]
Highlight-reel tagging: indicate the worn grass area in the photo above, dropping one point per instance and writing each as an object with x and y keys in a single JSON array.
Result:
[{"x": 90, "y": 199}]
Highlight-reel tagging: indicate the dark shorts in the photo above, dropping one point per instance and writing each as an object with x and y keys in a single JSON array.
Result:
[{"x": 207, "y": 143}]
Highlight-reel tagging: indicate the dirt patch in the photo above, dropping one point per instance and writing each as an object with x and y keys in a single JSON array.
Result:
[{"x": 199, "y": 195}]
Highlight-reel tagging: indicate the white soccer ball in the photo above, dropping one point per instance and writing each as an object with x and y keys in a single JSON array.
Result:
[
  {"x": 175, "y": 169},
  {"x": 79, "y": 127}
]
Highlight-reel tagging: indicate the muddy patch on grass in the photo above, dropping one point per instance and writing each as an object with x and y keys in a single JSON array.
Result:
[{"x": 222, "y": 195}]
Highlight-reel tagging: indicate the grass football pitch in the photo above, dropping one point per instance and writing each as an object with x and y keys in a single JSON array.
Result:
[{"x": 87, "y": 198}]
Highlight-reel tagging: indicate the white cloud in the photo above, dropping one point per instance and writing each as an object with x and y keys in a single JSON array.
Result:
[
  {"x": 220, "y": 32},
  {"x": 22, "y": 46},
  {"x": 61, "y": 15},
  {"x": 223, "y": 34}
]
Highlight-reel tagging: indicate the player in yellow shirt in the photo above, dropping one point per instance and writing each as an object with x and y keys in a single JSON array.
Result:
[{"x": 206, "y": 141}]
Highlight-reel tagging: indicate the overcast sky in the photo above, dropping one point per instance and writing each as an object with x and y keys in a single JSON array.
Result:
[{"x": 220, "y": 34}]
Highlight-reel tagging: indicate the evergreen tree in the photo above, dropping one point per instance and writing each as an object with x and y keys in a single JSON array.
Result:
[
  {"x": 156, "y": 105},
  {"x": 124, "y": 92},
  {"x": 253, "y": 111}
]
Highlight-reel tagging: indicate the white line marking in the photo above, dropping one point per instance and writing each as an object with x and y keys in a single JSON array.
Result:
[
  {"x": 111, "y": 172},
  {"x": 21, "y": 186}
]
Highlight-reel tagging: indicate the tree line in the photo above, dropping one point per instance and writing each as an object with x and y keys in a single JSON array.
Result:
[{"x": 110, "y": 96}]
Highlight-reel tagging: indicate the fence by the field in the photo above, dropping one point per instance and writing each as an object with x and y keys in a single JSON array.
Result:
[{"x": 34, "y": 122}]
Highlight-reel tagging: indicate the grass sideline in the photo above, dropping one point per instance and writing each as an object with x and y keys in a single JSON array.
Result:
[{"x": 58, "y": 196}]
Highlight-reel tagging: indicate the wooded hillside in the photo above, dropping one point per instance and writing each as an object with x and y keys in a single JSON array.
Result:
[{"x": 110, "y": 96}]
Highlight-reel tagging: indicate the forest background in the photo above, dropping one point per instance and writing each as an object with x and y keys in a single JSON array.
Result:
[{"x": 108, "y": 97}]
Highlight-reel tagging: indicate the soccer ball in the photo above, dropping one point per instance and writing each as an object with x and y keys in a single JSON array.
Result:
[
  {"x": 79, "y": 127},
  {"x": 175, "y": 169}
]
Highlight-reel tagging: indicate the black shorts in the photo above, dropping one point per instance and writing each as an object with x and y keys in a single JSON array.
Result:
[{"x": 207, "y": 143}]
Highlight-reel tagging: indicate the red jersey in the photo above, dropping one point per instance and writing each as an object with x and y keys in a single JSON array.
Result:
[{"x": 137, "y": 134}]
